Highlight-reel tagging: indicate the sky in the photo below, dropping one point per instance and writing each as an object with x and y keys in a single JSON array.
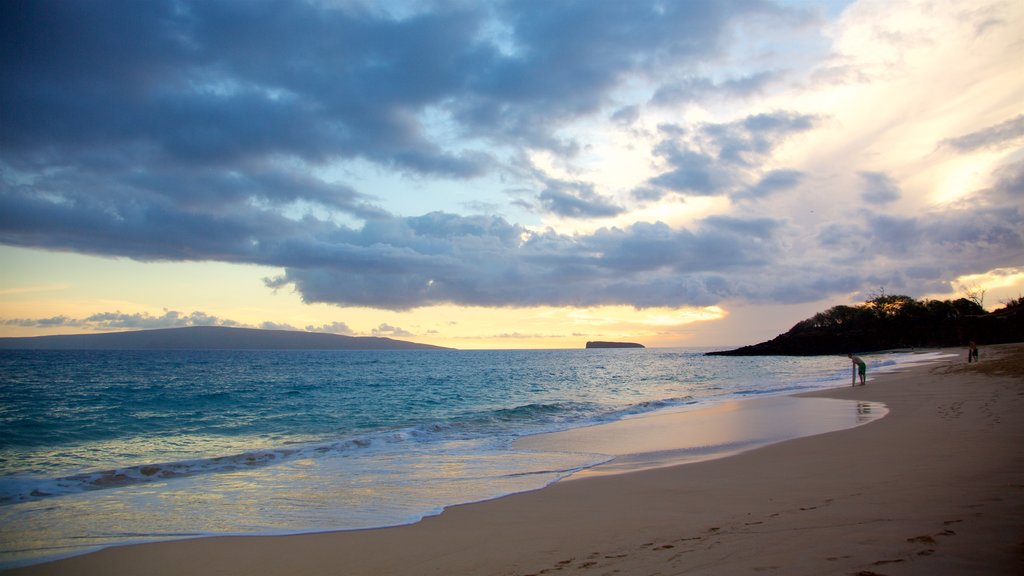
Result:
[{"x": 490, "y": 174}]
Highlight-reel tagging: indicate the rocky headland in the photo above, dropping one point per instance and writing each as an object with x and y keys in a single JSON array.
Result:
[{"x": 894, "y": 322}]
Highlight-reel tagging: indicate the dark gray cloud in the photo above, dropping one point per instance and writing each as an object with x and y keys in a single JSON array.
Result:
[
  {"x": 1010, "y": 182},
  {"x": 486, "y": 261},
  {"x": 693, "y": 173},
  {"x": 804, "y": 283},
  {"x": 576, "y": 200},
  {"x": 772, "y": 182},
  {"x": 983, "y": 233},
  {"x": 221, "y": 82},
  {"x": 997, "y": 136},
  {"x": 715, "y": 159},
  {"x": 197, "y": 130},
  {"x": 748, "y": 141},
  {"x": 139, "y": 225},
  {"x": 696, "y": 88},
  {"x": 626, "y": 115},
  {"x": 879, "y": 188},
  {"x": 157, "y": 115},
  {"x": 917, "y": 253},
  {"x": 569, "y": 56}
]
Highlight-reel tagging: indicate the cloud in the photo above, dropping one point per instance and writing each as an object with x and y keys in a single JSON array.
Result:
[
  {"x": 120, "y": 321},
  {"x": 693, "y": 173},
  {"x": 1009, "y": 182},
  {"x": 53, "y": 321},
  {"x": 998, "y": 136},
  {"x": 406, "y": 262},
  {"x": 698, "y": 88},
  {"x": 170, "y": 319},
  {"x": 106, "y": 321},
  {"x": 387, "y": 331},
  {"x": 721, "y": 158},
  {"x": 486, "y": 261},
  {"x": 199, "y": 133},
  {"x": 773, "y": 182},
  {"x": 332, "y": 328},
  {"x": 576, "y": 200},
  {"x": 568, "y": 58},
  {"x": 236, "y": 132},
  {"x": 626, "y": 115},
  {"x": 879, "y": 188},
  {"x": 949, "y": 241},
  {"x": 203, "y": 83},
  {"x": 277, "y": 326},
  {"x": 227, "y": 84}
]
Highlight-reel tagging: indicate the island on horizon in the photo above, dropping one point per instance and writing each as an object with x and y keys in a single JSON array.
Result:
[
  {"x": 599, "y": 344},
  {"x": 210, "y": 338}
]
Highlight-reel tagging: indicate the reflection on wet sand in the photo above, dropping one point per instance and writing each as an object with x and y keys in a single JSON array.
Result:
[{"x": 691, "y": 435}]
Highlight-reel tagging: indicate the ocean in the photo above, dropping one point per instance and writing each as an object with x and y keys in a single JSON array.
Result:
[{"x": 99, "y": 448}]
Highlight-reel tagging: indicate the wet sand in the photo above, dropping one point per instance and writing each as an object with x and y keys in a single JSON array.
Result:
[
  {"x": 694, "y": 434},
  {"x": 936, "y": 487}
]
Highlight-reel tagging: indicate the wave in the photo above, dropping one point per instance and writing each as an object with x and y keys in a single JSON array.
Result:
[
  {"x": 21, "y": 488},
  {"x": 502, "y": 423}
]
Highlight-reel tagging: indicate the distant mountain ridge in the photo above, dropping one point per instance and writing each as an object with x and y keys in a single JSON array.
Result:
[{"x": 209, "y": 338}]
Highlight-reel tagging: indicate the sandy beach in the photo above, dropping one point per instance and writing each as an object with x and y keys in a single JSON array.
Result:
[{"x": 935, "y": 487}]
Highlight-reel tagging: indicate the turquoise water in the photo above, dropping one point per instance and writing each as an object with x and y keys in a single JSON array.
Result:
[{"x": 110, "y": 447}]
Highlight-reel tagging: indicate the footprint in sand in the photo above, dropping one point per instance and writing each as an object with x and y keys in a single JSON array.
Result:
[
  {"x": 951, "y": 412},
  {"x": 929, "y": 538}
]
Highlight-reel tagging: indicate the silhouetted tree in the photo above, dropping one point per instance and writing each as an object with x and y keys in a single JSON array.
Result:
[{"x": 889, "y": 321}]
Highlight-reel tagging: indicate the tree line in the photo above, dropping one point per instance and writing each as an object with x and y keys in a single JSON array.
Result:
[{"x": 887, "y": 322}]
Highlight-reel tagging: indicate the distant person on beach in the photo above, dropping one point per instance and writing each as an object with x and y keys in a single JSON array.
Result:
[
  {"x": 972, "y": 352},
  {"x": 862, "y": 367}
]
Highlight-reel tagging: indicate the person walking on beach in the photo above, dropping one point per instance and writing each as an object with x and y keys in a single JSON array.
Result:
[
  {"x": 972, "y": 352},
  {"x": 862, "y": 368}
]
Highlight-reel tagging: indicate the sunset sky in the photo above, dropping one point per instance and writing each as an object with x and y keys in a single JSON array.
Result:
[{"x": 524, "y": 174}]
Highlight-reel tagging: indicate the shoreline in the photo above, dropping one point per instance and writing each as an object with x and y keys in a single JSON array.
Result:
[
  {"x": 949, "y": 446},
  {"x": 712, "y": 427},
  {"x": 638, "y": 442},
  {"x": 687, "y": 435},
  {"x": 83, "y": 533}
]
